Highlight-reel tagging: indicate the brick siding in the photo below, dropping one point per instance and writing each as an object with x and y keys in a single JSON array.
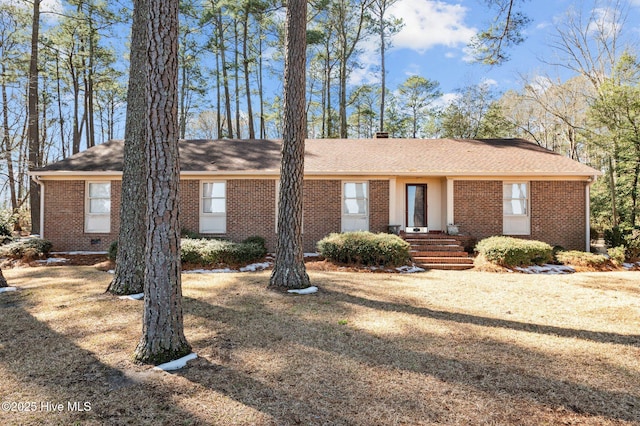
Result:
[
  {"x": 557, "y": 211},
  {"x": 64, "y": 217},
  {"x": 250, "y": 211},
  {"x": 379, "y": 205},
  {"x": 477, "y": 207},
  {"x": 558, "y": 214}
]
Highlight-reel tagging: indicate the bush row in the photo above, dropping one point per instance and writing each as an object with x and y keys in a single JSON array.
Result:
[
  {"x": 204, "y": 251},
  {"x": 510, "y": 252},
  {"x": 207, "y": 252},
  {"x": 32, "y": 248},
  {"x": 365, "y": 248}
]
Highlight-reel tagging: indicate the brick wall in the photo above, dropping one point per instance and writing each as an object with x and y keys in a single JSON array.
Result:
[
  {"x": 557, "y": 211},
  {"x": 558, "y": 214},
  {"x": 477, "y": 207},
  {"x": 379, "y": 205},
  {"x": 64, "y": 217},
  {"x": 250, "y": 211},
  {"x": 322, "y": 211}
]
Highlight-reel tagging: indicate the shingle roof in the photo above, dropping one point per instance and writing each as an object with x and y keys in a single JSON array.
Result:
[{"x": 429, "y": 157}]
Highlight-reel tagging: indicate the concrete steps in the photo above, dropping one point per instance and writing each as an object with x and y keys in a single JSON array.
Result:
[{"x": 438, "y": 251}]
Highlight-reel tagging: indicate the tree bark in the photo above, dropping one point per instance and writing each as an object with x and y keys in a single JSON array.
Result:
[
  {"x": 289, "y": 270},
  {"x": 225, "y": 77},
  {"x": 162, "y": 328},
  {"x": 245, "y": 62},
  {"x": 129, "y": 273},
  {"x": 33, "y": 133},
  {"x": 3, "y": 281}
]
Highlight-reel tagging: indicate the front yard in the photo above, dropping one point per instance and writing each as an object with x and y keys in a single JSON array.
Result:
[{"x": 437, "y": 347}]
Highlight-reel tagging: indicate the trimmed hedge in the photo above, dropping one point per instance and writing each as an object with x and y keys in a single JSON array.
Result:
[
  {"x": 32, "y": 248},
  {"x": 365, "y": 248},
  {"x": 509, "y": 252},
  {"x": 581, "y": 258},
  {"x": 206, "y": 252}
]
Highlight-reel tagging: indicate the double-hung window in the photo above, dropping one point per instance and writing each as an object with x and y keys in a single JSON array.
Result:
[
  {"x": 213, "y": 207},
  {"x": 515, "y": 208},
  {"x": 355, "y": 206},
  {"x": 98, "y": 207}
]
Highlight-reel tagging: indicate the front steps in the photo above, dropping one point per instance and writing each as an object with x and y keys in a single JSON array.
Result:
[{"x": 438, "y": 251}]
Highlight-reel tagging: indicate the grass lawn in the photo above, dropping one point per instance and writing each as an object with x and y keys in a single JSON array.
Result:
[{"x": 368, "y": 349}]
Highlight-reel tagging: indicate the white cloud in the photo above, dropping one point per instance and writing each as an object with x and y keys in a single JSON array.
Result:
[
  {"x": 605, "y": 22},
  {"x": 427, "y": 24},
  {"x": 488, "y": 82},
  {"x": 430, "y": 23},
  {"x": 50, "y": 10}
]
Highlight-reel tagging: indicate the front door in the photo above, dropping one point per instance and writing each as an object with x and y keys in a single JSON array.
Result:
[{"x": 416, "y": 205}]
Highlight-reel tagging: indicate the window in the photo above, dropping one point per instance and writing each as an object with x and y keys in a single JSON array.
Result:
[
  {"x": 515, "y": 208},
  {"x": 355, "y": 206},
  {"x": 98, "y": 207},
  {"x": 213, "y": 207}
]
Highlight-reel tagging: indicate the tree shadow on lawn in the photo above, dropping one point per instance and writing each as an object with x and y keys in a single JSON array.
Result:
[
  {"x": 494, "y": 378},
  {"x": 594, "y": 336},
  {"x": 51, "y": 368}
]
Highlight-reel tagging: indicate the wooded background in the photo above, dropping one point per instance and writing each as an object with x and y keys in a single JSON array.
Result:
[{"x": 229, "y": 50}]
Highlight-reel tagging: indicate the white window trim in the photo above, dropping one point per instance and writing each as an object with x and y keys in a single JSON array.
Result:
[
  {"x": 343, "y": 198},
  {"x": 366, "y": 197},
  {"x": 526, "y": 216},
  {"x": 88, "y": 215},
  {"x": 201, "y": 213}
]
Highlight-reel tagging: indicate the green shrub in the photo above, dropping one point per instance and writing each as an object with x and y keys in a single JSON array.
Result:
[
  {"x": 365, "y": 248},
  {"x": 6, "y": 223},
  {"x": 207, "y": 252},
  {"x": 632, "y": 242},
  {"x": 615, "y": 236},
  {"x": 581, "y": 258},
  {"x": 509, "y": 252},
  {"x": 256, "y": 239},
  {"x": 185, "y": 233},
  {"x": 113, "y": 251},
  {"x": 617, "y": 255},
  {"x": 31, "y": 248}
]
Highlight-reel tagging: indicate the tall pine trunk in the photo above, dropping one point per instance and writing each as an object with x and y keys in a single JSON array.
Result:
[
  {"x": 162, "y": 327},
  {"x": 129, "y": 273},
  {"x": 245, "y": 61},
  {"x": 33, "y": 133},
  {"x": 225, "y": 77},
  {"x": 289, "y": 270}
]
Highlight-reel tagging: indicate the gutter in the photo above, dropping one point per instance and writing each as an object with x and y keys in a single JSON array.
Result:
[
  {"x": 587, "y": 190},
  {"x": 36, "y": 179}
]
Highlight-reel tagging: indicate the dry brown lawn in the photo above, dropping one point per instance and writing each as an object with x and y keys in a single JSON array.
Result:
[{"x": 368, "y": 349}]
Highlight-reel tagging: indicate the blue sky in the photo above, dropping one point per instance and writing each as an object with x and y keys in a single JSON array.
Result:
[{"x": 433, "y": 42}]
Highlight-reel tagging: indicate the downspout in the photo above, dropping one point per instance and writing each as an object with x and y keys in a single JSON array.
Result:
[
  {"x": 37, "y": 180},
  {"x": 587, "y": 190}
]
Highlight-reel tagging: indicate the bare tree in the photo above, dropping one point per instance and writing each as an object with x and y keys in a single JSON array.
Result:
[
  {"x": 129, "y": 273},
  {"x": 162, "y": 328},
  {"x": 289, "y": 270},
  {"x": 490, "y": 46}
]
